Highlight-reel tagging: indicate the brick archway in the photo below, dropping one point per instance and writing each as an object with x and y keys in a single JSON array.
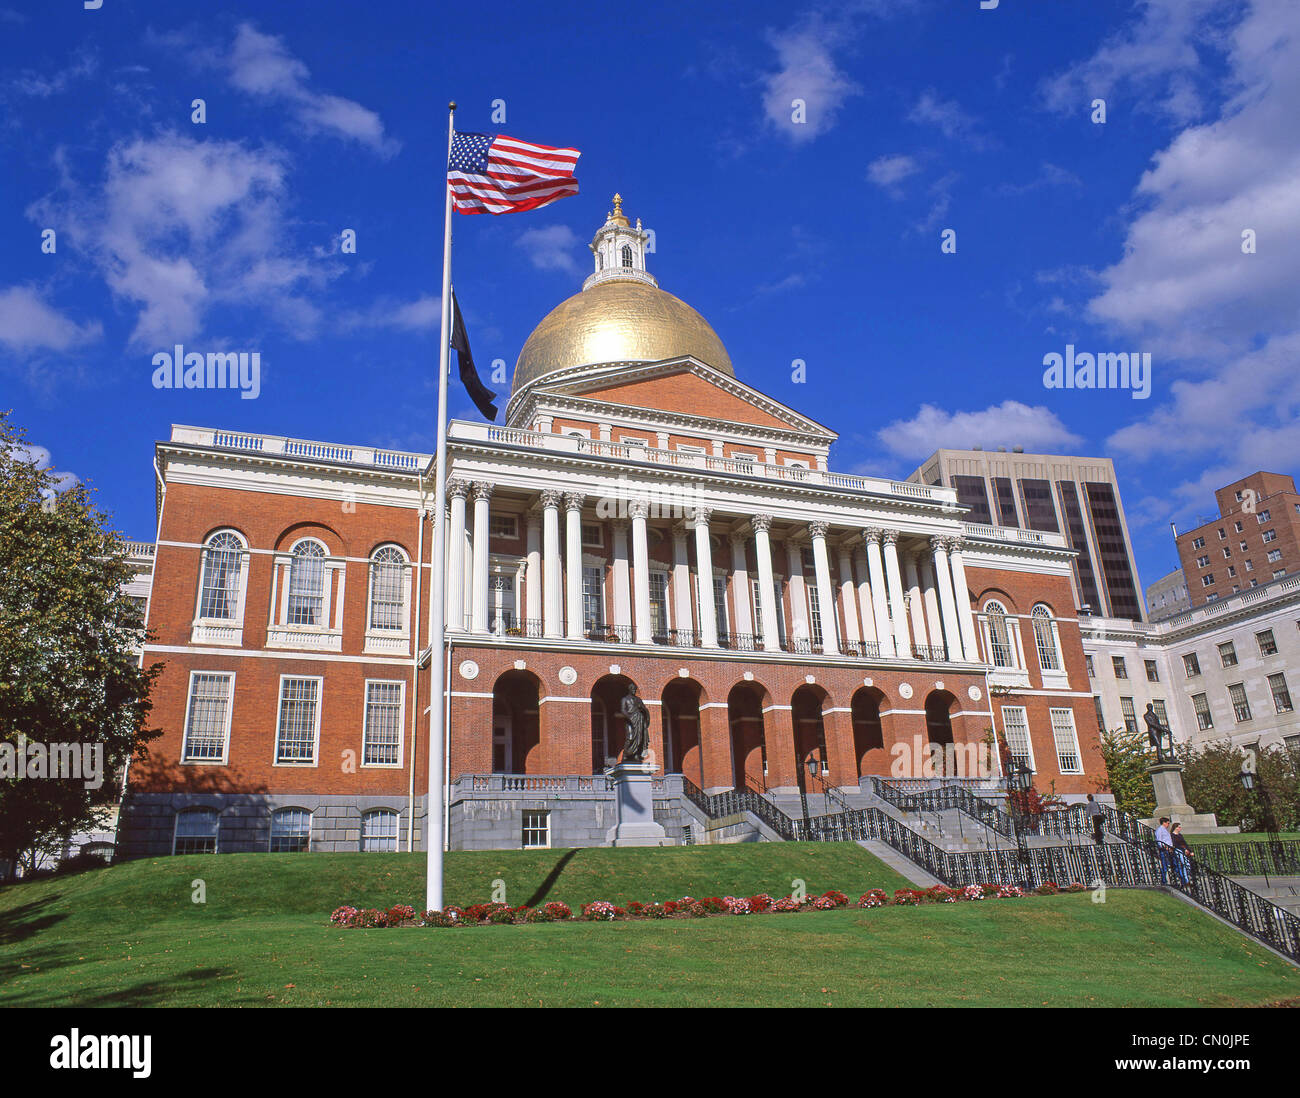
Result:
[
  {"x": 608, "y": 728},
  {"x": 745, "y": 704},
  {"x": 868, "y": 732},
  {"x": 680, "y": 713},
  {"x": 516, "y": 724},
  {"x": 939, "y": 708}
]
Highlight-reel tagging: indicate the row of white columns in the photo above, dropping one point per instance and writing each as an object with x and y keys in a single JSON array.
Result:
[{"x": 935, "y": 612}]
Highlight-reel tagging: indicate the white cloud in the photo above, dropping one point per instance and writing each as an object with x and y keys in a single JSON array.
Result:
[
  {"x": 889, "y": 171},
  {"x": 419, "y": 315},
  {"x": 181, "y": 225},
  {"x": 42, "y": 85},
  {"x": 949, "y": 117},
  {"x": 28, "y": 324},
  {"x": 1222, "y": 325},
  {"x": 552, "y": 248},
  {"x": 1010, "y": 423},
  {"x": 40, "y": 457},
  {"x": 807, "y": 72},
  {"x": 1049, "y": 175},
  {"x": 1149, "y": 63},
  {"x": 260, "y": 65}
]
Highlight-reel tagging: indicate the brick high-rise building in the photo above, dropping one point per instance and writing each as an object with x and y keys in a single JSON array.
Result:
[
  {"x": 643, "y": 517},
  {"x": 1255, "y": 539}
]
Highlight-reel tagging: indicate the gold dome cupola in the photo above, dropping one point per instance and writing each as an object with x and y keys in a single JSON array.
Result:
[{"x": 621, "y": 315}]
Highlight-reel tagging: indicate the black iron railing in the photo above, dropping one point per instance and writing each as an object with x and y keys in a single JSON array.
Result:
[
  {"x": 610, "y": 634},
  {"x": 740, "y": 642},
  {"x": 864, "y": 649},
  {"x": 946, "y": 796},
  {"x": 930, "y": 652},
  {"x": 1250, "y": 858}
]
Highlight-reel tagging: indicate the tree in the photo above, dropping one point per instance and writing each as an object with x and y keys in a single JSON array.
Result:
[
  {"x": 1127, "y": 756},
  {"x": 1212, "y": 780},
  {"x": 69, "y": 664}
]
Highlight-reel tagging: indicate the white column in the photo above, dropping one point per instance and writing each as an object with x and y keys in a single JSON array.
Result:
[
  {"x": 533, "y": 574},
  {"x": 879, "y": 605},
  {"x": 552, "y": 581},
  {"x": 798, "y": 595},
  {"x": 478, "y": 621},
  {"x": 933, "y": 622},
  {"x": 897, "y": 608},
  {"x": 457, "y": 490},
  {"x": 849, "y": 599},
  {"x": 622, "y": 580},
  {"x": 683, "y": 612},
  {"x": 951, "y": 630},
  {"x": 740, "y": 586},
  {"x": 639, "y": 509},
  {"x": 965, "y": 612},
  {"x": 916, "y": 609},
  {"x": 704, "y": 565},
  {"x": 825, "y": 592},
  {"x": 865, "y": 606},
  {"x": 766, "y": 583},
  {"x": 573, "y": 564}
]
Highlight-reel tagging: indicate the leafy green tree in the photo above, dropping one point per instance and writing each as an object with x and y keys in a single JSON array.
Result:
[
  {"x": 69, "y": 653},
  {"x": 1212, "y": 780},
  {"x": 1127, "y": 755}
]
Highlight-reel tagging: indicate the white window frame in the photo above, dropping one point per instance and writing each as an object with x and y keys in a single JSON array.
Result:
[
  {"x": 1245, "y": 700},
  {"x": 271, "y": 837},
  {"x": 195, "y": 810},
  {"x": 225, "y": 734},
  {"x": 324, "y": 637},
  {"x": 401, "y": 723},
  {"x": 544, "y": 829},
  {"x": 1072, "y": 745},
  {"x": 1029, "y": 739},
  {"x": 279, "y": 716},
  {"x": 511, "y": 533},
  {"x": 1204, "y": 717},
  {"x": 397, "y": 829},
  {"x": 389, "y": 641},
  {"x": 206, "y": 630}
]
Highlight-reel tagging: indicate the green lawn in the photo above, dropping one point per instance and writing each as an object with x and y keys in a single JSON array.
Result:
[
  {"x": 130, "y": 935},
  {"x": 1244, "y": 837}
]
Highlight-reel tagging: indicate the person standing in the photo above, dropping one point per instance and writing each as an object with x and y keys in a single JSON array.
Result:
[
  {"x": 1094, "y": 814},
  {"x": 1164, "y": 847},
  {"x": 1182, "y": 853}
]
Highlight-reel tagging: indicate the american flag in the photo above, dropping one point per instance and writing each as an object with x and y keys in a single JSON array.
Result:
[{"x": 503, "y": 174}]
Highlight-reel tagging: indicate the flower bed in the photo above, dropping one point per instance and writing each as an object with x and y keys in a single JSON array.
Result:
[{"x": 501, "y": 914}]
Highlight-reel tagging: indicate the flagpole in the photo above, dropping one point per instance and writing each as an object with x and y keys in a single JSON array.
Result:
[{"x": 433, "y": 812}]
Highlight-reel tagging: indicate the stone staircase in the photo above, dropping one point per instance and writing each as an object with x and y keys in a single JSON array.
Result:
[{"x": 1283, "y": 891}]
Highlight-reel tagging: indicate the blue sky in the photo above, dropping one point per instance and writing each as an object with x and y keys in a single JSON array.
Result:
[{"x": 816, "y": 240}]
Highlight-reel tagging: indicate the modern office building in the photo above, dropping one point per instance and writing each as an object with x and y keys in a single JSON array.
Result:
[
  {"x": 1168, "y": 596},
  {"x": 1077, "y": 497}
]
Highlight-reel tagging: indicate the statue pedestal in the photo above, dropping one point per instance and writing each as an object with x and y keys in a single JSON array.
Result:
[
  {"x": 1171, "y": 801},
  {"x": 634, "y": 797}
]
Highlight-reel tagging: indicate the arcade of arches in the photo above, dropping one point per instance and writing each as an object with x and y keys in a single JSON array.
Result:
[{"x": 749, "y": 738}]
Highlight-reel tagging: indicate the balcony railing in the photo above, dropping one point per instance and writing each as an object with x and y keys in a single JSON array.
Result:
[{"x": 930, "y": 652}]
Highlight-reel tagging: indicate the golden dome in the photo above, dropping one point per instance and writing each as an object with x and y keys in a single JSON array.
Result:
[{"x": 620, "y": 320}]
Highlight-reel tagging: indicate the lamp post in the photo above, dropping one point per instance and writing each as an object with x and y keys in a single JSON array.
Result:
[
  {"x": 1251, "y": 782},
  {"x": 1019, "y": 780},
  {"x": 811, "y": 763}
]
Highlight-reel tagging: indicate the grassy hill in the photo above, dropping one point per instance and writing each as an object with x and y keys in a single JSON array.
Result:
[{"x": 131, "y": 935}]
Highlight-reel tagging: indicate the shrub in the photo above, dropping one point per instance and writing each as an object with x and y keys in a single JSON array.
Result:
[
  {"x": 786, "y": 903},
  {"x": 1047, "y": 888},
  {"x": 714, "y": 905},
  {"x": 1075, "y": 886},
  {"x": 907, "y": 896},
  {"x": 1009, "y": 892},
  {"x": 877, "y": 897},
  {"x": 449, "y": 916},
  {"x": 823, "y": 903},
  {"x": 399, "y": 914},
  {"x": 636, "y": 907},
  {"x": 839, "y": 899},
  {"x": 760, "y": 903},
  {"x": 973, "y": 892},
  {"x": 688, "y": 906},
  {"x": 502, "y": 916},
  {"x": 558, "y": 910},
  {"x": 371, "y": 917},
  {"x": 599, "y": 910},
  {"x": 344, "y": 916},
  {"x": 670, "y": 907},
  {"x": 736, "y": 905}
]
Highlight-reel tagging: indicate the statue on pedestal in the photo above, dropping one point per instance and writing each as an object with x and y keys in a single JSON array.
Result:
[
  {"x": 1158, "y": 734},
  {"x": 637, "y": 718}
]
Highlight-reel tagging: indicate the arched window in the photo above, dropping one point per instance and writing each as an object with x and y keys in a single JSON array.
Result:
[
  {"x": 290, "y": 830},
  {"x": 999, "y": 637},
  {"x": 307, "y": 583},
  {"x": 627, "y": 255},
  {"x": 379, "y": 831},
  {"x": 1049, "y": 656},
  {"x": 388, "y": 589},
  {"x": 223, "y": 557},
  {"x": 196, "y": 831}
]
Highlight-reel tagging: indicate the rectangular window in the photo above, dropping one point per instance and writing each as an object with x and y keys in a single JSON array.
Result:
[
  {"x": 1228, "y": 654},
  {"x": 1264, "y": 516},
  {"x": 207, "y": 718},
  {"x": 1158, "y": 707},
  {"x": 814, "y": 613},
  {"x": 1279, "y": 573},
  {"x": 381, "y": 741},
  {"x": 1121, "y": 671},
  {"x": 1250, "y": 567},
  {"x": 1202, "y": 562},
  {"x": 1281, "y": 695},
  {"x": 1198, "y": 543},
  {"x": 1078, "y": 537},
  {"x": 1240, "y": 703},
  {"x": 593, "y": 598},
  {"x": 659, "y": 604},
  {"x": 972, "y": 493},
  {"x": 1015, "y": 723},
  {"x": 593, "y": 535},
  {"x": 1101, "y": 718},
  {"x": 1269, "y": 535},
  {"x": 1036, "y": 496},
  {"x": 1274, "y": 555},
  {"x": 1207, "y": 580},
  {"x": 290, "y": 831},
  {"x": 1067, "y": 742},
  {"x": 1113, "y": 550},
  {"x": 537, "y": 829},
  {"x": 1091, "y": 672},
  {"x": 1006, "y": 502},
  {"x": 1130, "y": 715},
  {"x": 1153, "y": 673},
  {"x": 503, "y": 526},
  {"x": 1227, "y": 552},
  {"x": 720, "y": 605},
  {"x": 299, "y": 720},
  {"x": 1267, "y": 645},
  {"x": 1201, "y": 704}
]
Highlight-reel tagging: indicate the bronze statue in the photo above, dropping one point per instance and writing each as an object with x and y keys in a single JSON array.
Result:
[
  {"x": 637, "y": 718},
  {"x": 1157, "y": 733}
]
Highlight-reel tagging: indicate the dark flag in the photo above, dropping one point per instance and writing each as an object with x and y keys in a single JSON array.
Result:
[{"x": 480, "y": 394}]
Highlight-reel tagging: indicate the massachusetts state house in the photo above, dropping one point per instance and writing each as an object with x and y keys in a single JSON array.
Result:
[{"x": 642, "y": 517}]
